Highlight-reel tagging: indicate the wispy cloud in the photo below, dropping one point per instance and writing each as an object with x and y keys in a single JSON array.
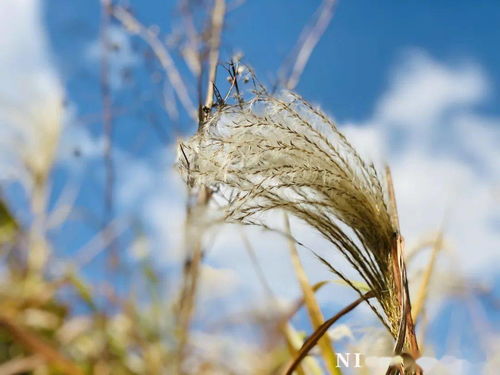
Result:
[
  {"x": 441, "y": 148},
  {"x": 422, "y": 90}
]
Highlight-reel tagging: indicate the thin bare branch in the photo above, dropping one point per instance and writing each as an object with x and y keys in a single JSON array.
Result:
[
  {"x": 100, "y": 242},
  {"x": 309, "y": 39},
  {"x": 312, "y": 305},
  {"x": 195, "y": 254},
  {"x": 107, "y": 116},
  {"x": 321, "y": 330},
  {"x": 258, "y": 269},
  {"x": 392, "y": 206},
  {"x": 424, "y": 285},
  {"x": 217, "y": 22},
  {"x": 161, "y": 52}
]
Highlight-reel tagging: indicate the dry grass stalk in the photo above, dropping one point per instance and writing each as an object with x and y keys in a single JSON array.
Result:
[
  {"x": 312, "y": 305},
  {"x": 39, "y": 346},
  {"x": 8, "y": 224},
  {"x": 293, "y": 340},
  {"x": 187, "y": 297},
  {"x": 161, "y": 52},
  {"x": 301, "y": 301},
  {"x": 322, "y": 330},
  {"x": 426, "y": 278},
  {"x": 281, "y": 153},
  {"x": 294, "y": 343},
  {"x": 308, "y": 41},
  {"x": 21, "y": 365},
  {"x": 217, "y": 22}
]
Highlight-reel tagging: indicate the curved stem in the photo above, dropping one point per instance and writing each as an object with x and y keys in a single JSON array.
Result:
[{"x": 314, "y": 338}]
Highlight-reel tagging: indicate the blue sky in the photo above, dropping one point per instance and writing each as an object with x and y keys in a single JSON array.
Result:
[
  {"x": 355, "y": 56},
  {"x": 353, "y": 61},
  {"x": 412, "y": 83}
]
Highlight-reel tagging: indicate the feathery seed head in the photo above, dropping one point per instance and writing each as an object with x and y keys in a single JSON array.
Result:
[{"x": 279, "y": 152}]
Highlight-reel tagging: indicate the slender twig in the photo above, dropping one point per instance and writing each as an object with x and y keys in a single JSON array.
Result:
[
  {"x": 163, "y": 55},
  {"x": 214, "y": 44},
  {"x": 406, "y": 335},
  {"x": 108, "y": 128},
  {"x": 312, "y": 304},
  {"x": 296, "y": 306},
  {"x": 195, "y": 256},
  {"x": 293, "y": 341},
  {"x": 321, "y": 330},
  {"x": 39, "y": 248},
  {"x": 309, "y": 39},
  {"x": 393, "y": 209},
  {"x": 100, "y": 242},
  {"x": 424, "y": 285},
  {"x": 107, "y": 116},
  {"x": 255, "y": 263}
]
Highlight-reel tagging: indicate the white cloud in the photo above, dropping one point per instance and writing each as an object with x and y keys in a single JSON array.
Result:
[
  {"x": 30, "y": 95},
  {"x": 217, "y": 282},
  {"x": 443, "y": 153},
  {"x": 77, "y": 143},
  {"x": 422, "y": 89},
  {"x": 479, "y": 140},
  {"x": 23, "y": 48}
]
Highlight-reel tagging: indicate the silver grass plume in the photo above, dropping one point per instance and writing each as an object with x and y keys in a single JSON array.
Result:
[{"x": 279, "y": 152}]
